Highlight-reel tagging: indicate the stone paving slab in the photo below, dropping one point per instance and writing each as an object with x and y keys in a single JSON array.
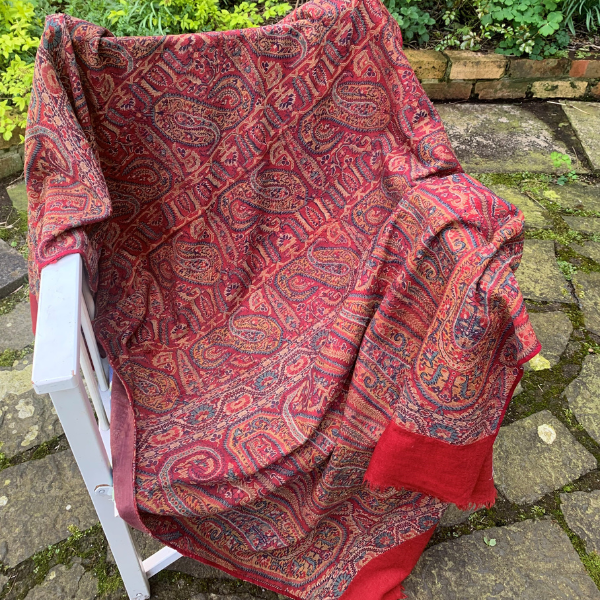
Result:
[
  {"x": 588, "y": 249},
  {"x": 454, "y": 516},
  {"x": 18, "y": 196},
  {"x": 583, "y": 224},
  {"x": 553, "y": 330},
  {"x": 26, "y": 420},
  {"x": 576, "y": 196},
  {"x": 13, "y": 269},
  {"x": 535, "y": 215},
  {"x": 582, "y": 514},
  {"x": 539, "y": 276},
  {"x": 15, "y": 328},
  {"x": 532, "y": 560},
  {"x": 585, "y": 120},
  {"x": 499, "y": 138},
  {"x": 3, "y": 580},
  {"x": 16, "y": 380},
  {"x": 583, "y": 395},
  {"x": 537, "y": 455},
  {"x": 587, "y": 288},
  {"x": 66, "y": 583},
  {"x": 39, "y": 500}
]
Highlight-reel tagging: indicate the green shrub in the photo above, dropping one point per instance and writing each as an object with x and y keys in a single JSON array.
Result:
[
  {"x": 533, "y": 28},
  {"x": 520, "y": 27},
  {"x": 17, "y": 53},
  {"x": 143, "y": 17},
  {"x": 583, "y": 12},
  {"x": 413, "y": 20}
]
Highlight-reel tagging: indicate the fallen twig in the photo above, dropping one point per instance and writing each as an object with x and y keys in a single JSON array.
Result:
[
  {"x": 17, "y": 179},
  {"x": 569, "y": 105}
]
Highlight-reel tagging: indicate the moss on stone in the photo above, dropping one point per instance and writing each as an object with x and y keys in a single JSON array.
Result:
[
  {"x": 579, "y": 262},
  {"x": 591, "y": 561},
  {"x": 8, "y": 357},
  {"x": 8, "y": 303},
  {"x": 52, "y": 446},
  {"x": 14, "y": 232},
  {"x": 89, "y": 545},
  {"x": 15, "y": 228},
  {"x": 536, "y": 187},
  {"x": 4, "y": 462},
  {"x": 511, "y": 179},
  {"x": 45, "y": 449},
  {"x": 574, "y": 313}
]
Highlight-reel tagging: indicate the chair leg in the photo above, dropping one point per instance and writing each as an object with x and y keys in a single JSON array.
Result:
[{"x": 79, "y": 424}]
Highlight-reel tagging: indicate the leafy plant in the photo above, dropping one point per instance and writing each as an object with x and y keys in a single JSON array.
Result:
[
  {"x": 568, "y": 270},
  {"x": 530, "y": 27},
  {"x": 413, "y": 20},
  {"x": 162, "y": 17},
  {"x": 17, "y": 53},
  {"x": 563, "y": 161},
  {"x": 94, "y": 11},
  {"x": 538, "y": 511},
  {"x": 582, "y": 11}
]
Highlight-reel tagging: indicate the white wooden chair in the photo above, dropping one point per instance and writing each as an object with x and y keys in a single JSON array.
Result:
[{"x": 63, "y": 322}]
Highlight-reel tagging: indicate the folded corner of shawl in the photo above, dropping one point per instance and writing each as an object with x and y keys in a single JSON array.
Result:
[{"x": 461, "y": 474}]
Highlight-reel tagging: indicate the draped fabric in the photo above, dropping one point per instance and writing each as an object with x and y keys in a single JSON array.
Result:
[{"x": 310, "y": 309}]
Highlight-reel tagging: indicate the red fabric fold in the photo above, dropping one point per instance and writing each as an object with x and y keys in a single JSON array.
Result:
[
  {"x": 33, "y": 307},
  {"x": 382, "y": 577},
  {"x": 463, "y": 475},
  {"x": 452, "y": 473}
]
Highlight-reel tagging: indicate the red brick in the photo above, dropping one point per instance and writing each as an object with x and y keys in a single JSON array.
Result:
[
  {"x": 453, "y": 90},
  {"x": 427, "y": 64},
  {"x": 585, "y": 68},
  {"x": 476, "y": 65},
  {"x": 526, "y": 68},
  {"x": 503, "y": 88}
]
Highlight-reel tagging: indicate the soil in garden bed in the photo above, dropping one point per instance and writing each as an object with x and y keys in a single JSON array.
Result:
[{"x": 583, "y": 46}]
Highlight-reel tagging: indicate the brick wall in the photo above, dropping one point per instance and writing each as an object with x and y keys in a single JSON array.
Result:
[{"x": 463, "y": 75}]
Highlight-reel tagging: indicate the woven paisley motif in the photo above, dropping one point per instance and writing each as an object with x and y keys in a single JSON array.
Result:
[{"x": 296, "y": 285}]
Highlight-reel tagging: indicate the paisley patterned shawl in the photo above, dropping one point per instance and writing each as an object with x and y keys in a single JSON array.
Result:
[{"x": 310, "y": 307}]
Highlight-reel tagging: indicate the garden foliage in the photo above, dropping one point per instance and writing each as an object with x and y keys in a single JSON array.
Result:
[
  {"x": 18, "y": 43},
  {"x": 532, "y": 28}
]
